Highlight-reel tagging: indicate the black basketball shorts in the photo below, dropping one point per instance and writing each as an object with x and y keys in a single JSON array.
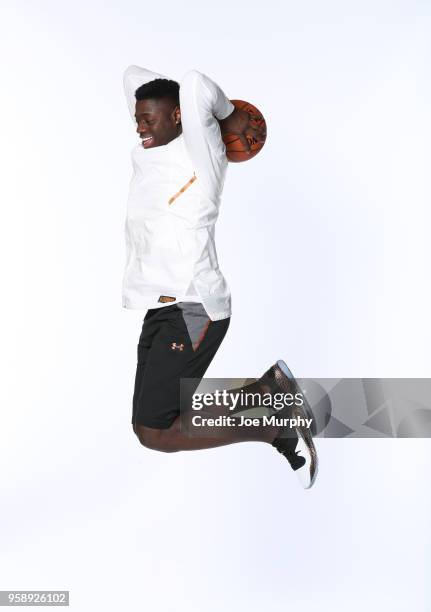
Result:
[{"x": 177, "y": 341}]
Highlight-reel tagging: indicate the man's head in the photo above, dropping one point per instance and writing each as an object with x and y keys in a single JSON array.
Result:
[{"x": 158, "y": 112}]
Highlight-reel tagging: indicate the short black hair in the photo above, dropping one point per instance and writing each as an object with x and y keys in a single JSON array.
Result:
[{"x": 157, "y": 89}]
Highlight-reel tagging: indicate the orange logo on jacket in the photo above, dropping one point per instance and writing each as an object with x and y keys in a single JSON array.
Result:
[{"x": 182, "y": 190}]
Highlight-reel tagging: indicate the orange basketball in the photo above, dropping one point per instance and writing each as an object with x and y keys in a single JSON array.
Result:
[{"x": 235, "y": 150}]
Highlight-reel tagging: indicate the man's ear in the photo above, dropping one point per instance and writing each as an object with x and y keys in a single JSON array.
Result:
[{"x": 177, "y": 114}]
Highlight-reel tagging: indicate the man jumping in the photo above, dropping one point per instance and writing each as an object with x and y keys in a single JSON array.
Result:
[{"x": 172, "y": 270}]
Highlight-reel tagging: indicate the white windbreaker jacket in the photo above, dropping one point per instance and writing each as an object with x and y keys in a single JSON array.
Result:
[{"x": 174, "y": 200}]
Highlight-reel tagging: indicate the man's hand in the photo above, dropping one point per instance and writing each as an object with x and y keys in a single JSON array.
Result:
[{"x": 240, "y": 123}]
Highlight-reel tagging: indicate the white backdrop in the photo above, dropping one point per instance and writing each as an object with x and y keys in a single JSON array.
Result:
[{"x": 324, "y": 241}]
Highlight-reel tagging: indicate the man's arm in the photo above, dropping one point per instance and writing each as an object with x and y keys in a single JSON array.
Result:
[
  {"x": 202, "y": 104},
  {"x": 134, "y": 77},
  {"x": 207, "y": 114}
]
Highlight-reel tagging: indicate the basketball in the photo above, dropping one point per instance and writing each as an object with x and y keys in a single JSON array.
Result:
[{"x": 235, "y": 150}]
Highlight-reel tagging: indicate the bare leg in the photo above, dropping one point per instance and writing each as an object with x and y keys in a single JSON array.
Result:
[{"x": 174, "y": 439}]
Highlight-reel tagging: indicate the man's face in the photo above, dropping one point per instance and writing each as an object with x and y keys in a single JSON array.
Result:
[{"x": 158, "y": 121}]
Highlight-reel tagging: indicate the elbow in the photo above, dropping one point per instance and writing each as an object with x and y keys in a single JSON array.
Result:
[
  {"x": 192, "y": 74},
  {"x": 194, "y": 86},
  {"x": 192, "y": 77},
  {"x": 132, "y": 69}
]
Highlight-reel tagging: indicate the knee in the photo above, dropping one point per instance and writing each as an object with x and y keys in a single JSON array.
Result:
[{"x": 155, "y": 439}]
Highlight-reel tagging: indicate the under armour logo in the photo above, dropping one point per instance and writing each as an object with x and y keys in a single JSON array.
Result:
[{"x": 177, "y": 347}]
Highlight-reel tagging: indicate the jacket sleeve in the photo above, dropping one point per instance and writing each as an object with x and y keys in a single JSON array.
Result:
[
  {"x": 134, "y": 77},
  {"x": 202, "y": 102}
]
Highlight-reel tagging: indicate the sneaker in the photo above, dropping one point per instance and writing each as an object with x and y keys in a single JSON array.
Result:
[
  {"x": 302, "y": 461},
  {"x": 294, "y": 444}
]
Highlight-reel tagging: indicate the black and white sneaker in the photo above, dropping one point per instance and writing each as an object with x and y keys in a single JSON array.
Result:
[{"x": 295, "y": 444}]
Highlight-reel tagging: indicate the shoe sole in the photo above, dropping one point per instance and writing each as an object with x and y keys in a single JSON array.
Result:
[{"x": 307, "y": 413}]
